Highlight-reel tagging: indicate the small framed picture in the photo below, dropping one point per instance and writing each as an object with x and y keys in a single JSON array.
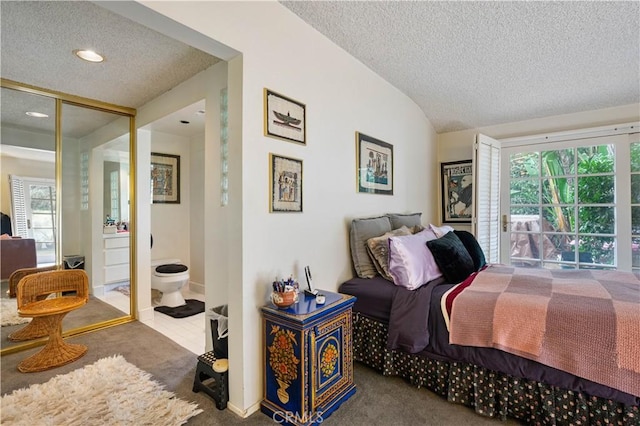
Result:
[
  {"x": 457, "y": 191},
  {"x": 374, "y": 165},
  {"x": 165, "y": 178},
  {"x": 284, "y": 118},
  {"x": 285, "y": 181}
]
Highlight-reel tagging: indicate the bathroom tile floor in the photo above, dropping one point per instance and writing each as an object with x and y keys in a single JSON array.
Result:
[{"x": 187, "y": 332}]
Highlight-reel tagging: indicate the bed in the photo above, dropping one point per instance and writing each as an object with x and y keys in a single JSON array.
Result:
[{"x": 404, "y": 332}]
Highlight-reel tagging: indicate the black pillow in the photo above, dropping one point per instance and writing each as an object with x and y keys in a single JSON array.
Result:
[
  {"x": 452, "y": 257},
  {"x": 474, "y": 249}
]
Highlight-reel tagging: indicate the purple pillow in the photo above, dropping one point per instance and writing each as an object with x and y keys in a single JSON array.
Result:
[{"x": 411, "y": 263}]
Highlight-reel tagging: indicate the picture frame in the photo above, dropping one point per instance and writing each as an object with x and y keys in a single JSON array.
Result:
[
  {"x": 457, "y": 191},
  {"x": 285, "y": 184},
  {"x": 284, "y": 118},
  {"x": 165, "y": 178},
  {"x": 374, "y": 165}
]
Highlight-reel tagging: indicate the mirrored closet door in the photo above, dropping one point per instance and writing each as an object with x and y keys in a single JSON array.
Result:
[{"x": 67, "y": 183}]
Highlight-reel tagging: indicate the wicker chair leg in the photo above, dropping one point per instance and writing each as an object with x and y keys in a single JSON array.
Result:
[
  {"x": 56, "y": 352},
  {"x": 34, "y": 330}
]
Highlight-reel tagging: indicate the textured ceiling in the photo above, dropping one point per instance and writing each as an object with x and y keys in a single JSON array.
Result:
[
  {"x": 466, "y": 64},
  {"x": 473, "y": 64},
  {"x": 37, "y": 41}
]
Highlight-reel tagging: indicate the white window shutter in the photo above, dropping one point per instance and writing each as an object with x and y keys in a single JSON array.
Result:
[
  {"x": 18, "y": 207},
  {"x": 486, "y": 220}
]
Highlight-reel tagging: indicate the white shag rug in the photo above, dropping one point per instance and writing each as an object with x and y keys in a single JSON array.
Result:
[
  {"x": 110, "y": 391},
  {"x": 9, "y": 313}
]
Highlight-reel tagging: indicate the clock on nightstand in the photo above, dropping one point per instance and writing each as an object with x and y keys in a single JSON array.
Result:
[{"x": 308, "y": 357}]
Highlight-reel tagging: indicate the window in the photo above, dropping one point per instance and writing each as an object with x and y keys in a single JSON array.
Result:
[
  {"x": 224, "y": 147},
  {"x": 114, "y": 181},
  {"x": 566, "y": 202},
  {"x": 33, "y": 205},
  {"x": 635, "y": 205},
  {"x": 562, "y": 207},
  {"x": 84, "y": 181}
]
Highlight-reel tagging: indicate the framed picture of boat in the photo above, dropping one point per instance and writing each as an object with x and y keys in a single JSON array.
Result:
[
  {"x": 285, "y": 181},
  {"x": 284, "y": 118},
  {"x": 374, "y": 165}
]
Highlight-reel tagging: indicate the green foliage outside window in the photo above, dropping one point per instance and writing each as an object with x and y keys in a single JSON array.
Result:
[{"x": 594, "y": 192}]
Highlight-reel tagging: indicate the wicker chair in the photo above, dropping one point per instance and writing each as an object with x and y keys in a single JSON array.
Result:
[
  {"x": 18, "y": 274},
  {"x": 36, "y": 328},
  {"x": 75, "y": 284}
]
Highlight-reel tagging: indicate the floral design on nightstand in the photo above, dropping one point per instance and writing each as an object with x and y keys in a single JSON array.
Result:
[
  {"x": 282, "y": 360},
  {"x": 328, "y": 360}
]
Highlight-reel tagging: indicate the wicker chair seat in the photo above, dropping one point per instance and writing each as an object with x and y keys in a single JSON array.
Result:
[{"x": 53, "y": 306}]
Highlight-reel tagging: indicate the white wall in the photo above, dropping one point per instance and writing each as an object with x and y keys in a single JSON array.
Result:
[
  {"x": 198, "y": 188},
  {"x": 73, "y": 235},
  {"x": 170, "y": 223},
  {"x": 282, "y": 53},
  {"x": 454, "y": 146},
  {"x": 22, "y": 168},
  {"x": 71, "y": 241},
  {"x": 196, "y": 212},
  {"x": 11, "y": 165}
]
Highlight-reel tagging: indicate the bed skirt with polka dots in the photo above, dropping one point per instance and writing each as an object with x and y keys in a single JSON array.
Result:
[{"x": 490, "y": 393}]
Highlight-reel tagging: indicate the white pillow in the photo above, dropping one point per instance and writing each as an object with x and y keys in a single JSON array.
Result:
[
  {"x": 440, "y": 231},
  {"x": 411, "y": 263}
]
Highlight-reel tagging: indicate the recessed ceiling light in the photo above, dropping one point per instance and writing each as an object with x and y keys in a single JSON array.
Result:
[
  {"x": 89, "y": 55},
  {"x": 36, "y": 114},
  {"x": 184, "y": 121},
  {"x": 200, "y": 112}
]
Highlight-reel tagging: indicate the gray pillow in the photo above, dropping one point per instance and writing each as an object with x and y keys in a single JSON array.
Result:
[
  {"x": 378, "y": 249},
  {"x": 361, "y": 231},
  {"x": 404, "y": 219}
]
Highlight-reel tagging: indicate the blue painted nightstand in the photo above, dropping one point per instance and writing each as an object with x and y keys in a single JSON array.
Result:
[{"x": 308, "y": 356}]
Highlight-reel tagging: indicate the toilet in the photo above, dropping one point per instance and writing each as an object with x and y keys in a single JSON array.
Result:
[{"x": 169, "y": 276}]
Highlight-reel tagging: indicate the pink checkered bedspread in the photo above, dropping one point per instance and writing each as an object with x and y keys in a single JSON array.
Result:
[{"x": 585, "y": 322}]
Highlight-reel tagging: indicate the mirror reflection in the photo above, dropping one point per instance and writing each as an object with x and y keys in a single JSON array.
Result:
[
  {"x": 93, "y": 184},
  {"x": 28, "y": 194}
]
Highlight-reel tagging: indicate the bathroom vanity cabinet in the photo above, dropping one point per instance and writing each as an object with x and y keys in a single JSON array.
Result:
[{"x": 116, "y": 257}]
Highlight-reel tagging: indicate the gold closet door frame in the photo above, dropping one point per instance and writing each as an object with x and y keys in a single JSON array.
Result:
[{"x": 68, "y": 99}]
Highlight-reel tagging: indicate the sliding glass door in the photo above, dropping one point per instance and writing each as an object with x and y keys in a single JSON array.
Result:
[
  {"x": 635, "y": 203},
  {"x": 40, "y": 213},
  {"x": 567, "y": 203}
]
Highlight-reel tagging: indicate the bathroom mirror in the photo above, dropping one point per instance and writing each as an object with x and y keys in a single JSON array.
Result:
[{"x": 63, "y": 162}]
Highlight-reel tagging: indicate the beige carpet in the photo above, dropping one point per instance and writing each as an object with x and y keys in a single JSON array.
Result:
[{"x": 109, "y": 391}]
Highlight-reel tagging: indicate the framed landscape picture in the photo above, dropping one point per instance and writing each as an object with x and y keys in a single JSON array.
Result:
[
  {"x": 165, "y": 178},
  {"x": 285, "y": 184},
  {"x": 284, "y": 118},
  {"x": 374, "y": 165},
  {"x": 457, "y": 191}
]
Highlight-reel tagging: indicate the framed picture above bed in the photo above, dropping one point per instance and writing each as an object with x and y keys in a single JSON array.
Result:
[
  {"x": 457, "y": 191},
  {"x": 284, "y": 118},
  {"x": 374, "y": 165},
  {"x": 285, "y": 184}
]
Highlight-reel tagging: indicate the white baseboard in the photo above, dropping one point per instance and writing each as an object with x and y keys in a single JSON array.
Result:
[
  {"x": 243, "y": 413},
  {"x": 196, "y": 287},
  {"x": 146, "y": 315}
]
